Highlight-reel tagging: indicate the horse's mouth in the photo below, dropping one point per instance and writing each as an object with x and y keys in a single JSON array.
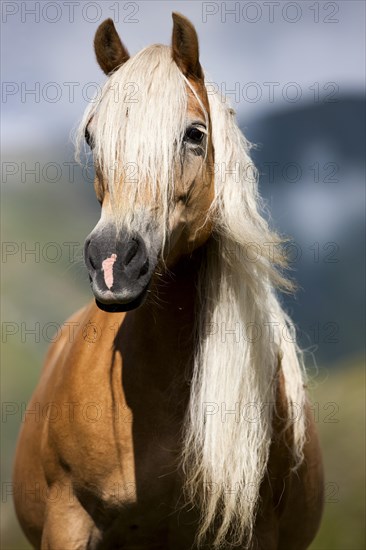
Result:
[{"x": 118, "y": 307}]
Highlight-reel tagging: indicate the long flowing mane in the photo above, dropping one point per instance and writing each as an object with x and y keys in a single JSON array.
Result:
[{"x": 243, "y": 331}]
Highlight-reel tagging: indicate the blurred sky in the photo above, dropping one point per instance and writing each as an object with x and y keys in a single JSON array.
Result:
[{"x": 48, "y": 48}]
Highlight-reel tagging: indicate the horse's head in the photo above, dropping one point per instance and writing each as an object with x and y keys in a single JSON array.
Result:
[{"x": 150, "y": 136}]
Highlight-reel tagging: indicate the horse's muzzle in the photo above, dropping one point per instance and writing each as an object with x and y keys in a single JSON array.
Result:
[{"x": 120, "y": 269}]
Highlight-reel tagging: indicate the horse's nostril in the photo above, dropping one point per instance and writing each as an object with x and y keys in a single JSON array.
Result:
[
  {"x": 88, "y": 255},
  {"x": 144, "y": 268},
  {"x": 131, "y": 253},
  {"x": 92, "y": 264}
]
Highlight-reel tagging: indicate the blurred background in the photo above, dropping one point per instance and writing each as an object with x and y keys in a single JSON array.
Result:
[{"x": 295, "y": 74}]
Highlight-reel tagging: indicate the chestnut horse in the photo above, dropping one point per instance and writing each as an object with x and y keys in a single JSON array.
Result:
[{"x": 174, "y": 413}]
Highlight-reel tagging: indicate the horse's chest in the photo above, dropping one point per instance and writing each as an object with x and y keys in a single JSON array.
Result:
[
  {"x": 127, "y": 477},
  {"x": 118, "y": 452},
  {"x": 119, "y": 444}
]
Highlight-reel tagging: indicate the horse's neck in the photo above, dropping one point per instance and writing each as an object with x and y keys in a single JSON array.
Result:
[{"x": 157, "y": 340}]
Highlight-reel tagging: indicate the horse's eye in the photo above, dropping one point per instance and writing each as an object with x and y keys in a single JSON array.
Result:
[
  {"x": 194, "y": 135},
  {"x": 88, "y": 138}
]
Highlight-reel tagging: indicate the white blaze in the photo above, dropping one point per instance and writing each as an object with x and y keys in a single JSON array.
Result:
[{"x": 107, "y": 267}]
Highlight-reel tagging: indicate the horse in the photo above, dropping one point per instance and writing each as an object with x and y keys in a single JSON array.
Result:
[{"x": 174, "y": 406}]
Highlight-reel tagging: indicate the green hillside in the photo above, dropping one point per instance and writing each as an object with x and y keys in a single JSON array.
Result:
[{"x": 340, "y": 412}]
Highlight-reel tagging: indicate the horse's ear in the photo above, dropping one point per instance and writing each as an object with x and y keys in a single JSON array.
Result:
[
  {"x": 185, "y": 47},
  {"x": 108, "y": 47}
]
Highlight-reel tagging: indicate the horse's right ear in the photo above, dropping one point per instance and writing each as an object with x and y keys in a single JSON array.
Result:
[{"x": 108, "y": 47}]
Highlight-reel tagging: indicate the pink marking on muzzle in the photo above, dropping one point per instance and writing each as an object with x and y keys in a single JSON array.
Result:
[{"x": 107, "y": 267}]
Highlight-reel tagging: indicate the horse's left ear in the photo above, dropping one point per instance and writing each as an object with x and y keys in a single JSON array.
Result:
[
  {"x": 108, "y": 47},
  {"x": 185, "y": 47}
]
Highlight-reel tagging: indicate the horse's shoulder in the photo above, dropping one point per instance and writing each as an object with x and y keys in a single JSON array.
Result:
[
  {"x": 79, "y": 360},
  {"x": 77, "y": 389}
]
